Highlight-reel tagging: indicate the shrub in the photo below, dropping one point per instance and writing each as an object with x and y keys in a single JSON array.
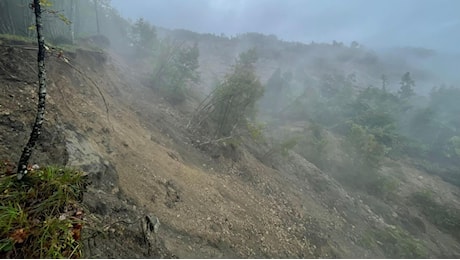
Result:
[
  {"x": 233, "y": 101},
  {"x": 395, "y": 243},
  {"x": 361, "y": 168},
  {"x": 313, "y": 145},
  {"x": 365, "y": 152},
  {"x": 445, "y": 217},
  {"x": 175, "y": 66}
]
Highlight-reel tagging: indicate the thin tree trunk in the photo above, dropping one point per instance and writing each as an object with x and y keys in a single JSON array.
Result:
[
  {"x": 72, "y": 21},
  {"x": 36, "y": 130},
  {"x": 76, "y": 20},
  {"x": 97, "y": 17},
  {"x": 10, "y": 20}
]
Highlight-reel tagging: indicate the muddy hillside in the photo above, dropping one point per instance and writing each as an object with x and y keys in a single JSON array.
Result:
[{"x": 205, "y": 199}]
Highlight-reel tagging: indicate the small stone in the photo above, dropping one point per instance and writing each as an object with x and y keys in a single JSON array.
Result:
[
  {"x": 156, "y": 227},
  {"x": 115, "y": 190}
]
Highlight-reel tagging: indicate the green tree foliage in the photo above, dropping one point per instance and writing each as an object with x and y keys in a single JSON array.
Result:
[
  {"x": 336, "y": 93},
  {"x": 337, "y": 86},
  {"x": 16, "y": 18},
  {"x": 143, "y": 37},
  {"x": 375, "y": 109},
  {"x": 384, "y": 79},
  {"x": 313, "y": 146},
  {"x": 276, "y": 90},
  {"x": 326, "y": 104},
  {"x": 225, "y": 112},
  {"x": 364, "y": 149},
  {"x": 407, "y": 86},
  {"x": 454, "y": 147},
  {"x": 64, "y": 20},
  {"x": 438, "y": 124},
  {"x": 175, "y": 67},
  {"x": 446, "y": 217},
  {"x": 234, "y": 99},
  {"x": 397, "y": 243},
  {"x": 281, "y": 146},
  {"x": 444, "y": 101},
  {"x": 365, "y": 157},
  {"x": 354, "y": 45}
]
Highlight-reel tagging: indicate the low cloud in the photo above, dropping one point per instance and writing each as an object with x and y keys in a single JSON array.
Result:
[{"x": 386, "y": 23}]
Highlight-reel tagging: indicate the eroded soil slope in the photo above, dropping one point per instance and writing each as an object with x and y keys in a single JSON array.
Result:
[{"x": 141, "y": 161}]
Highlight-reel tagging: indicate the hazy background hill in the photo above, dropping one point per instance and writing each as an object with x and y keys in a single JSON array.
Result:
[
  {"x": 396, "y": 33},
  {"x": 377, "y": 24},
  {"x": 302, "y": 129},
  {"x": 309, "y": 62}
]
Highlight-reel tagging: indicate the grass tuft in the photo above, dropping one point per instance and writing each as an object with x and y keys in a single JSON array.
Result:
[
  {"x": 41, "y": 215},
  {"x": 16, "y": 39}
]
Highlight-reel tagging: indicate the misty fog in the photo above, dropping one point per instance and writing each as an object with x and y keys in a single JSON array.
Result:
[
  {"x": 377, "y": 24},
  {"x": 337, "y": 119}
]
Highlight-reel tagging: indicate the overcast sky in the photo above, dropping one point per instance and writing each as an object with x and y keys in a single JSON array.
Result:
[{"x": 384, "y": 23}]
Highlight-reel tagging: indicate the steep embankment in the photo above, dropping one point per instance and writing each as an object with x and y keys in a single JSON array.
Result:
[{"x": 142, "y": 162}]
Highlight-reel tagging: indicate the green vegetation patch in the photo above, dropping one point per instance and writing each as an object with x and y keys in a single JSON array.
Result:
[
  {"x": 445, "y": 217},
  {"x": 40, "y": 216},
  {"x": 16, "y": 39},
  {"x": 395, "y": 243}
]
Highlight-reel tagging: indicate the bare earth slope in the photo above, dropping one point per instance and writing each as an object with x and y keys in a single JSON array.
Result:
[{"x": 141, "y": 162}]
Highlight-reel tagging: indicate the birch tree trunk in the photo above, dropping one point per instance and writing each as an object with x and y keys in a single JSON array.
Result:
[{"x": 36, "y": 130}]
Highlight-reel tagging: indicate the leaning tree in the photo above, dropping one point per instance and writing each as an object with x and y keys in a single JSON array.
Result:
[{"x": 36, "y": 130}]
